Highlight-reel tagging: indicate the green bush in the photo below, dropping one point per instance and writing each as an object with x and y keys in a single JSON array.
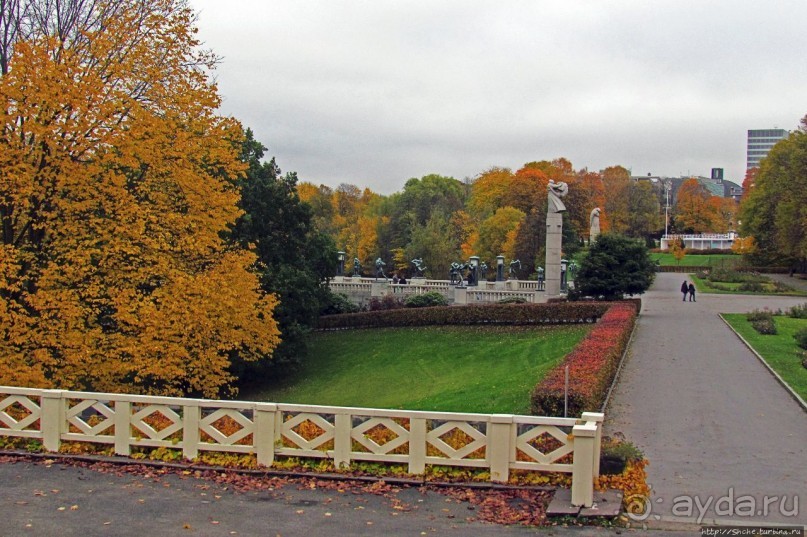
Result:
[
  {"x": 801, "y": 338},
  {"x": 338, "y": 303},
  {"x": 798, "y": 312},
  {"x": 387, "y": 302},
  {"x": 765, "y": 327},
  {"x": 751, "y": 287},
  {"x": 725, "y": 275},
  {"x": 426, "y": 300},
  {"x": 759, "y": 315},
  {"x": 513, "y": 300},
  {"x": 780, "y": 287}
]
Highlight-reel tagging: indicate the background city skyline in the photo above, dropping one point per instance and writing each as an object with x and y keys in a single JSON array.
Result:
[{"x": 375, "y": 93}]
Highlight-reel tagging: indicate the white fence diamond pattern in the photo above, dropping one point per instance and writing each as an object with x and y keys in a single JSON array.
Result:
[{"x": 498, "y": 442}]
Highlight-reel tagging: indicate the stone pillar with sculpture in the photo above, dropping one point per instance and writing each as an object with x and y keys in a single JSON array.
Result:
[
  {"x": 594, "y": 225},
  {"x": 554, "y": 235}
]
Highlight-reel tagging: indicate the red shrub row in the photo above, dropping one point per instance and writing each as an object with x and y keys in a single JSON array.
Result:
[
  {"x": 592, "y": 366},
  {"x": 516, "y": 314}
]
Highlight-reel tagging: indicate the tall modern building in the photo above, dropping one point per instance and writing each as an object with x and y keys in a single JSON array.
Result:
[{"x": 760, "y": 141}]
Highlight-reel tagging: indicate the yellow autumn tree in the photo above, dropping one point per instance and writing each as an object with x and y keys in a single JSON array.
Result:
[
  {"x": 744, "y": 245},
  {"x": 116, "y": 182},
  {"x": 497, "y": 234}
]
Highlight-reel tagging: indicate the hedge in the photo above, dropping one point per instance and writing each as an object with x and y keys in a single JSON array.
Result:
[
  {"x": 681, "y": 268},
  {"x": 592, "y": 366},
  {"x": 516, "y": 314}
]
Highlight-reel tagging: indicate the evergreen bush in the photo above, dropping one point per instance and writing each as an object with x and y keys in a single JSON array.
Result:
[
  {"x": 426, "y": 300},
  {"x": 801, "y": 338},
  {"x": 798, "y": 312},
  {"x": 765, "y": 326}
]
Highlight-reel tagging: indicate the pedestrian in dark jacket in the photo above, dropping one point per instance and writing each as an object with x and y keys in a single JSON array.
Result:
[
  {"x": 692, "y": 292},
  {"x": 684, "y": 290}
]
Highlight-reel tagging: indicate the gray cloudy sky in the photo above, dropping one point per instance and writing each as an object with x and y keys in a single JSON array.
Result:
[{"x": 375, "y": 92}]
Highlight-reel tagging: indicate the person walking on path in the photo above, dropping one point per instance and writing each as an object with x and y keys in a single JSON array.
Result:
[
  {"x": 692, "y": 292},
  {"x": 684, "y": 290}
]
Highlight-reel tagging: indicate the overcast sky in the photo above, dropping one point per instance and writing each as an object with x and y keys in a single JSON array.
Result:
[{"x": 376, "y": 92}]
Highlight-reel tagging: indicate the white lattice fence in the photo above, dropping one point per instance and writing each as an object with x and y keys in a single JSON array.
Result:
[{"x": 496, "y": 442}]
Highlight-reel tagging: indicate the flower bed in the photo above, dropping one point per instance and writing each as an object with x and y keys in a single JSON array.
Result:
[{"x": 592, "y": 366}]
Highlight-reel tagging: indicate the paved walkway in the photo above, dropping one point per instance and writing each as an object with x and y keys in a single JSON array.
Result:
[
  {"x": 44, "y": 500},
  {"x": 712, "y": 420}
]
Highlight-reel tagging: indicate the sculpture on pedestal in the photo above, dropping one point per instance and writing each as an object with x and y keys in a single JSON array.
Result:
[
  {"x": 483, "y": 270},
  {"x": 419, "y": 267},
  {"x": 557, "y": 191},
  {"x": 594, "y": 221},
  {"x": 455, "y": 273},
  {"x": 379, "y": 269},
  {"x": 515, "y": 266},
  {"x": 554, "y": 235},
  {"x": 356, "y": 267}
]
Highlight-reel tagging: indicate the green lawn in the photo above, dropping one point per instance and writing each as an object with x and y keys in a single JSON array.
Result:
[
  {"x": 704, "y": 286},
  {"x": 458, "y": 369},
  {"x": 780, "y": 350},
  {"x": 693, "y": 260}
]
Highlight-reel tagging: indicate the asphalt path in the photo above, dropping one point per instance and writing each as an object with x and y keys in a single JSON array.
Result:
[
  {"x": 55, "y": 499},
  {"x": 722, "y": 435}
]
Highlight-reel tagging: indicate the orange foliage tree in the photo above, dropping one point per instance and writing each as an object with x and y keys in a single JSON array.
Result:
[
  {"x": 116, "y": 180},
  {"x": 693, "y": 212}
]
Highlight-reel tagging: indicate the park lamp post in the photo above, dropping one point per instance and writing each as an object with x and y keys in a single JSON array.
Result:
[
  {"x": 340, "y": 268},
  {"x": 667, "y": 187},
  {"x": 564, "y": 263},
  {"x": 474, "y": 261},
  {"x": 499, "y": 268}
]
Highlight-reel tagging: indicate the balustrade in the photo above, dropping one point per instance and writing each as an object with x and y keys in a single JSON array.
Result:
[{"x": 497, "y": 442}]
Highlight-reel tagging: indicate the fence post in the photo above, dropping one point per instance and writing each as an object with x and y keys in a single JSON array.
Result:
[
  {"x": 417, "y": 446},
  {"x": 52, "y": 418},
  {"x": 263, "y": 437},
  {"x": 499, "y": 435},
  {"x": 191, "y": 415},
  {"x": 342, "y": 425},
  {"x": 123, "y": 414},
  {"x": 460, "y": 295},
  {"x": 598, "y": 418},
  {"x": 583, "y": 467}
]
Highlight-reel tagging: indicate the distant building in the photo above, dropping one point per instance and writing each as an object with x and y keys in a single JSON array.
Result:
[{"x": 760, "y": 142}]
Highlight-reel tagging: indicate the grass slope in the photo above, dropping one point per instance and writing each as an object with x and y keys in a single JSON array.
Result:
[
  {"x": 457, "y": 369},
  {"x": 780, "y": 350}
]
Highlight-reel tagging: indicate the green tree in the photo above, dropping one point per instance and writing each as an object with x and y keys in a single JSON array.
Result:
[
  {"x": 643, "y": 210},
  {"x": 774, "y": 211},
  {"x": 434, "y": 244},
  {"x": 615, "y": 266},
  {"x": 415, "y": 205},
  {"x": 294, "y": 259}
]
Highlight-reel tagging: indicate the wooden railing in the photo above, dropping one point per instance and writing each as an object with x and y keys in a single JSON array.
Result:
[{"x": 497, "y": 442}]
